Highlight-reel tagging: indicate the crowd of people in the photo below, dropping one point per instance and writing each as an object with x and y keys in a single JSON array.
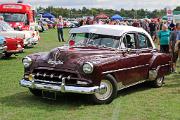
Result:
[{"x": 166, "y": 35}]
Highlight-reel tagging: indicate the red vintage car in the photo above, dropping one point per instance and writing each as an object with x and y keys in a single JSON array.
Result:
[
  {"x": 14, "y": 45},
  {"x": 100, "y": 60}
]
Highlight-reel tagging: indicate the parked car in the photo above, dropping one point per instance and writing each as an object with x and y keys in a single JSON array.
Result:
[
  {"x": 29, "y": 37},
  {"x": 100, "y": 60},
  {"x": 74, "y": 23},
  {"x": 3, "y": 46},
  {"x": 14, "y": 45}
]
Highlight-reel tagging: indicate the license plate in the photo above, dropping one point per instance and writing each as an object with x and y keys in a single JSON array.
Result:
[{"x": 49, "y": 95}]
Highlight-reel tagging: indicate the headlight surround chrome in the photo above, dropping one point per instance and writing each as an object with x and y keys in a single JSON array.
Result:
[
  {"x": 88, "y": 68},
  {"x": 27, "y": 62}
]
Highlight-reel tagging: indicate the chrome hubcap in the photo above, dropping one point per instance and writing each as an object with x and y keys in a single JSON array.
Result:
[
  {"x": 106, "y": 92},
  {"x": 160, "y": 81}
]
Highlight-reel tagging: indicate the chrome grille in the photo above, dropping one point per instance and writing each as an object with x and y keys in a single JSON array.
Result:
[{"x": 55, "y": 77}]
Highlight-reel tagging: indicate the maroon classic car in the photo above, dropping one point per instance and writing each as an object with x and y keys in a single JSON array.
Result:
[{"x": 99, "y": 60}]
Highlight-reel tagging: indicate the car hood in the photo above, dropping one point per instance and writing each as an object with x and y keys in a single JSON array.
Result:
[{"x": 73, "y": 58}]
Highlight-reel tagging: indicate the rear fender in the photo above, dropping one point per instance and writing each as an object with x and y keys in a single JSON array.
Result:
[{"x": 160, "y": 65}]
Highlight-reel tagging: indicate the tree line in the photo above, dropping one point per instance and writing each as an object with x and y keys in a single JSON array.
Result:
[{"x": 75, "y": 13}]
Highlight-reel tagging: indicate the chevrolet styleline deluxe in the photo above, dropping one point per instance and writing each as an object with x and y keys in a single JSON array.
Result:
[{"x": 99, "y": 60}]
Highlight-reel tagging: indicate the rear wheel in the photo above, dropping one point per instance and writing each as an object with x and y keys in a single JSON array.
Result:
[
  {"x": 107, "y": 94},
  {"x": 158, "y": 82},
  {"x": 36, "y": 92}
]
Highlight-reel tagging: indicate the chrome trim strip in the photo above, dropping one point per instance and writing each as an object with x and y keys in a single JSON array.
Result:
[
  {"x": 164, "y": 65},
  {"x": 111, "y": 71},
  {"x": 160, "y": 66},
  {"x": 45, "y": 81},
  {"x": 61, "y": 88},
  {"x": 124, "y": 86}
]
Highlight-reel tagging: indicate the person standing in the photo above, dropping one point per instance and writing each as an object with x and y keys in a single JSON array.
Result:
[
  {"x": 144, "y": 25},
  {"x": 175, "y": 35},
  {"x": 152, "y": 28},
  {"x": 172, "y": 26},
  {"x": 164, "y": 38},
  {"x": 60, "y": 25},
  {"x": 136, "y": 23}
]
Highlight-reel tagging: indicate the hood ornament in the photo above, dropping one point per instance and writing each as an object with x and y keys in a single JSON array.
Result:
[{"x": 55, "y": 60}]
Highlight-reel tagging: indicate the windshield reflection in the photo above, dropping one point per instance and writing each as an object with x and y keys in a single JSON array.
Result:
[
  {"x": 96, "y": 40},
  {"x": 14, "y": 17}
]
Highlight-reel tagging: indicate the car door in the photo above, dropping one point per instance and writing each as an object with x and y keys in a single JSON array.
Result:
[
  {"x": 136, "y": 62},
  {"x": 131, "y": 67},
  {"x": 144, "y": 54}
]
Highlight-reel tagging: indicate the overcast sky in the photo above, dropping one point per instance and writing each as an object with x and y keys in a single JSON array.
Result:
[{"x": 114, "y": 4}]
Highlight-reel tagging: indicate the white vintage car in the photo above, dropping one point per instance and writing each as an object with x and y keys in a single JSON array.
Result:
[{"x": 30, "y": 37}]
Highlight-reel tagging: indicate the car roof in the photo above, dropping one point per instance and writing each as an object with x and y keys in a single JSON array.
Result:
[{"x": 114, "y": 30}]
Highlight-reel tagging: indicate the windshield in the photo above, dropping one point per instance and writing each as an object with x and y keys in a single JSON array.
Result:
[
  {"x": 14, "y": 17},
  {"x": 5, "y": 26},
  {"x": 98, "y": 40}
]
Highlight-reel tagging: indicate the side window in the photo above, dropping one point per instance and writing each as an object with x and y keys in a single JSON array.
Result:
[
  {"x": 143, "y": 41},
  {"x": 129, "y": 41}
]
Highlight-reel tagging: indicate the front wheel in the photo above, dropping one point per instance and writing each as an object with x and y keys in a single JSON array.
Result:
[
  {"x": 107, "y": 94},
  {"x": 158, "y": 82}
]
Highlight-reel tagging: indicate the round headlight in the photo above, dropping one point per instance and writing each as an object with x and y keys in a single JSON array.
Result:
[
  {"x": 88, "y": 68},
  {"x": 27, "y": 61}
]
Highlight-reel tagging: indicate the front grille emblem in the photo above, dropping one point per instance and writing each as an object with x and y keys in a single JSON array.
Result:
[{"x": 55, "y": 60}]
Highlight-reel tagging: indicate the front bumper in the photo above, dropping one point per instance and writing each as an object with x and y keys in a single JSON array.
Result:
[
  {"x": 61, "y": 88},
  {"x": 30, "y": 41},
  {"x": 15, "y": 51}
]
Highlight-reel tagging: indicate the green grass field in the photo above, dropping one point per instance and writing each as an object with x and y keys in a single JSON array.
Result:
[{"x": 136, "y": 103}]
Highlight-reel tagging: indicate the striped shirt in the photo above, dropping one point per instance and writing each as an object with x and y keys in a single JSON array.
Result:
[{"x": 60, "y": 24}]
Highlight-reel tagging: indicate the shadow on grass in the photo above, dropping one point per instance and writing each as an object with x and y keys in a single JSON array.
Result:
[
  {"x": 136, "y": 88},
  {"x": 9, "y": 58},
  {"x": 25, "y": 99},
  {"x": 63, "y": 101}
]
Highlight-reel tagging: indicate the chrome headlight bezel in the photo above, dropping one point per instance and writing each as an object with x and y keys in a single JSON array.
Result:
[
  {"x": 27, "y": 61},
  {"x": 88, "y": 68}
]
